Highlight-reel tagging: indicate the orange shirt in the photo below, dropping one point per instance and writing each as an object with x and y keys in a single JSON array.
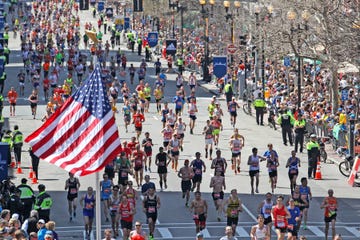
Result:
[{"x": 12, "y": 96}]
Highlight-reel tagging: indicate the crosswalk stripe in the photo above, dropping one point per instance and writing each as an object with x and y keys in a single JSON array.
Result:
[
  {"x": 354, "y": 231},
  {"x": 249, "y": 212},
  {"x": 241, "y": 232},
  {"x": 165, "y": 233},
  {"x": 316, "y": 231},
  {"x": 206, "y": 233}
]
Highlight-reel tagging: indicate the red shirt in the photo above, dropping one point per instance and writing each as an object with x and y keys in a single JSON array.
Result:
[
  {"x": 138, "y": 119},
  {"x": 280, "y": 217},
  {"x": 131, "y": 145},
  {"x": 127, "y": 151},
  {"x": 124, "y": 211}
]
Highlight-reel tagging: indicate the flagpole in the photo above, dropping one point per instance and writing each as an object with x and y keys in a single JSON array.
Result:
[{"x": 98, "y": 207}]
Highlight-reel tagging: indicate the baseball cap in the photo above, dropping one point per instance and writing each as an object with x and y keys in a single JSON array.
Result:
[
  {"x": 313, "y": 136},
  {"x": 23, "y": 180},
  {"x": 41, "y": 221}
]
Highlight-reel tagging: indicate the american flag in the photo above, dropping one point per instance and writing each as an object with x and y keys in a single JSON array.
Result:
[{"x": 81, "y": 137}]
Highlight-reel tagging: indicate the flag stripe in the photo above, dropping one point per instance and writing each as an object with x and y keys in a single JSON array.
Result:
[{"x": 64, "y": 133}]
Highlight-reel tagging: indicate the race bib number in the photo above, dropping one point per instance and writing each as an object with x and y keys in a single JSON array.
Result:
[
  {"x": 198, "y": 171},
  {"x": 216, "y": 195},
  {"x": 280, "y": 221},
  {"x": 290, "y": 227},
  {"x": 151, "y": 210},
  {"x": 293, "y": 171},
  {"x": 195, "y": 216},
  {"x": 234, "y": 213},
  {"x": 73, "y": 191},
  {"x": 107, "y": 190},
  {"x": 124, "y": 174},
  {"x": 267, "y": 210}
]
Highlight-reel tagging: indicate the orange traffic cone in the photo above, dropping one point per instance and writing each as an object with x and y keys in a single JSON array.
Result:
[
  {"x": 318, "y": 172},
  {"x": 19, "y": 170},
  {"x": 31, "y": 173},
  {"x": 353, "y": 172},
  {"x": 34, "y": 180}
]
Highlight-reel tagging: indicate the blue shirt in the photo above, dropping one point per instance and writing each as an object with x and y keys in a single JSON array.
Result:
[
  {"x": 295, "y": 212},
  {"x": 147, "y": 186}
]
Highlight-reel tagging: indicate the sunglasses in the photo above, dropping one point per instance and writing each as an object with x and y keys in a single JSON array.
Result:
[{"x": 138, "y": 225}]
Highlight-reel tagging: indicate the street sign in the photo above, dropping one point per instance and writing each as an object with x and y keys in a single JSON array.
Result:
[
  {"x": 287, "y": 62},
  {"x": 231, "y": 48}
]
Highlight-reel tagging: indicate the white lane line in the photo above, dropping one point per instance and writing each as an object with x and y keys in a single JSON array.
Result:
[
  {"x": 157, "y": 221},
  {"x": 156, "y": 118},
  {"x": 316, "y": 231},
  {"x": 354, "y": 231},
  {"x": 165, "y": 233},
  {"x": 242, "y": 232},
  {"x": 249, "y": 213},
  {"x": 206, "y": 233}
]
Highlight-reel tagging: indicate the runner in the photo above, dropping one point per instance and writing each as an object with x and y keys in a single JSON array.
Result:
[
  {"x": 219, "y": 163},
  {"x": 192, "y": 110},
  {"x": 229, "y": 234},
  {"x": 217, "y": 127},
  {"x": 147, "y": 185},
  {"x": 126, "y": 214},
  {"x": 331, "y": 206},
  {"x": 162, "y": 163},
  {"x": 199, "y": 167},
  {"x": 217, "y": 183},
  {"x": 127, "y": 114},
  {"x": 265, "y": 209},
  {"x": 295, "y": 214},
  {"x": 234, "y": 206},
  {"x": 174, "y": 145},
  {"x": 113, "y": 203},
  {"x": 164, "y": 113},
  {"x": 232, "y": 107},
  {"x": 260, "y": 231},
  {"x": 272, "y": 164},
  {"x": 147, "y": 145},
  {"x": 293, "y": 163},
  {"x": 254, "y": 169},
  {"x": 87, "y": 202},
  {"x": 105, "y": 186},
  {"x": 209, "y": 139},
  {"x": 138, "y": 158},
  {"x": 12, "y": 98},
  {"x": 158, "y": 94},
  {"x": 123, "y": 167},
  {"x": 298, "y": 202},
  {"x": 138, "y": 119},
  {"x": 236, "y": 145},
  {"x": 131, "y": 193},
  {"x": 306, "y": 196},
  {"x": 151, "y": 204},
  {"x": 171, "y": 118},
  {"x": 186, "y": 173},
  {"x": 167, "y": 132},
  {"x": 199, "y": 208},
  {"x": 72, "y": 184},
  {"x": 138, "y": 233},
  {"x": 180, "y": 128},
  {"x": 280, "y": 214}
]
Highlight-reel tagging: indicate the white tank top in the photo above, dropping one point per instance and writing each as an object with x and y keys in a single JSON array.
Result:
[
  {"x": 260, "y": 233},
  {"x": 254, "y": 163}
]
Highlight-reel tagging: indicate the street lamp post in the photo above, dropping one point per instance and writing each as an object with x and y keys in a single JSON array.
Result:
[
  {"x": 205, "y": 15},
  {"x": 175, "y": 5},
  {"x": 292, "y": 15},
  {"x": 231, "y": 17}
]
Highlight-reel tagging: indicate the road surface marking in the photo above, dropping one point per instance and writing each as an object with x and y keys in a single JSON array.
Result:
[
  {"x": 165, "y": 233},
  {"x": 354, "y": 231},
  {"x": 241, "y": 232},
  {"x": 206, "y": 233},
  {"x": 155, "y": 117},
  {"x": 249, "y": 213},
  {"x": 316, "y": 231}
]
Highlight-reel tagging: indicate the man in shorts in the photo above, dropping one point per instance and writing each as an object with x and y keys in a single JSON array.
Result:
[
  {"x": 186, "y": 173},
  {"x": 209, "y": 139},
  {"x": 126, "y": 213},
  {"x": 162, "y": 160},
  {"x": 138, "y": 157},
  {"x": 199, "y": 208},
  {"x": 147, "y": 145},
  {"x": 138, "y": 119},
  {"x": 280, "y": 214},
  {"x": 217, "y": 183},
  {"x": 330, "y": 207},
  {"x": 72, "y": 184},
  {"x": 151, "y": 204},
  {"x": 199, "y": 167}
]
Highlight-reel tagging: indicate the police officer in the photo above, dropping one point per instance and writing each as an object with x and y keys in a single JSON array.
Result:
[
  {"x": 17, "y": 139},
  {"x": 299, "y": 129},
  {"x": 7, "y": 139},
  {"x": 2, "y": 81},
  {"x": 105, "y": 25},
  {"x": 6, "y": 54},
  {"x": 228, "y": 90},
  {"x": 139, "y": 42},
  {"x": 313, "y": 149},
  {"x": 117, "y": 37},
  {"x": 43, "y": 203},
  {"x": 180, "y": 64},
  {"x": 1, "y": 105},
  {"x": 14, "y": 203},
  {"x": 27, "y": 197},
  {"x": 259, "y": 105},
  {"x": 285, "y": 120}
]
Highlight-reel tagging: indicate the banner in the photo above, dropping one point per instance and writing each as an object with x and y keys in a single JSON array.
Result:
[
  {"x": 220, "y": 66},
  {"x": 153, "y": 38},
  {"x": 138, "y": 5},
  {"x": 171, "y": 46},
  {"x": 126, "y": 23},
  {"x": 101, "y": 6},
  {"x": 4, "y": 151}
]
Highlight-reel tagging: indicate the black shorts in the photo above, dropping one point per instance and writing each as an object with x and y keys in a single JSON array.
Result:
[
  {"x": 196, "y": 178},
  {"x": 233, "y": 114},
  {"x": 329, "y": 219},
  {"x": 217, "y": 196},
  {"x": 71, "y": 197},
  {"x": 234, "y": 155},
  {"x": 114, "y": 96},
  {"x": 139, "y": 129},
  {"x": 291, "y": 175},
  {"x": 273, "y": 174},
  {"x": 282, "y": 229},
  {"x": 126, "y": 225},
  {"x": 127, "y": 118},
  {"x": 192, "y": 117},
  {"x": 267, "y": 220},
  {"x": 157, "y": 100},
  {"x": 175, "y": 153},
  {"x": 181, "y": 136},
  {"x": 153, "y": 216},
  {"x": 253, "y": 173},
  {"x": 165, "y": 144},
  {"x": 162, "y": 170},
  {"x": 148, "y": 99},
  {"x": 138, "y": 168},
  {"x": 293, "y": 231},
  {"x": 123, "y": 181},
  {"x": 232, "y": 221},
  {"x": 177, "y": 111},
  {"x": 185, "y": 186}
]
